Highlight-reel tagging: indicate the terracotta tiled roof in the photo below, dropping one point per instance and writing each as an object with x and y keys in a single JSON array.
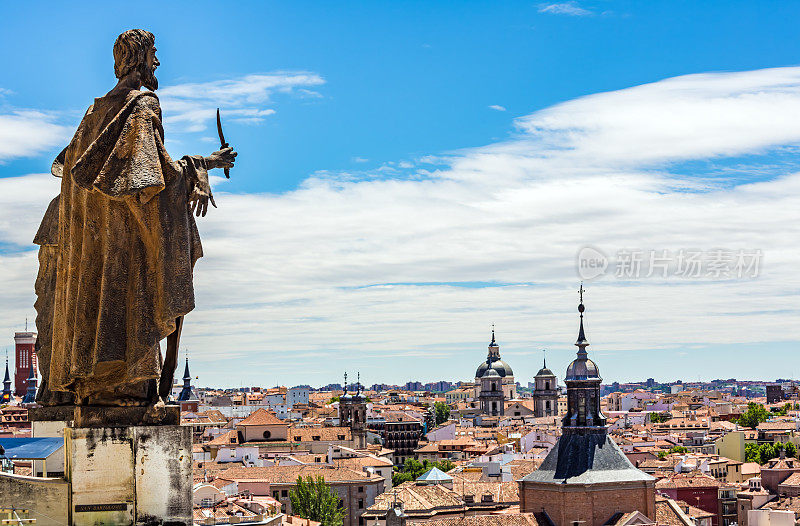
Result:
[
  {"x": 668, "y": 513},
  {"x": 505, "y": 519},
  {"x": 781, "y": 463},
  {"x": 225, "y": 439},
  {"x": 688, "y": 480},
  {"x": 329, "y": 434},
  {"x": 362, "y": 462},
  {"x": 262, "y": 417},
  {"x": 289, "y": 474},
  {"x": 793, "y": 480}
]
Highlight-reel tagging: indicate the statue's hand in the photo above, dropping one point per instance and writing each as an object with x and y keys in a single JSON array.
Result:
[
  {"x": 223, "y": 158},
  {"x": 201, "y": 195}
]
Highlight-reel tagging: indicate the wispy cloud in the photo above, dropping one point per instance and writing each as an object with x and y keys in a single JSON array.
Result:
[
  {"x": 192, "y": 106},
  {"x": 295, "y": 272},
  {"x": 497, "y": 107},
  {"x": 565, "y": 8},
  {"x": 25, "y": 133}
]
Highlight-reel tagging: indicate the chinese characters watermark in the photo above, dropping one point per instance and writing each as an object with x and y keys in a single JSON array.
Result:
[{"x": 629, "y": 264}]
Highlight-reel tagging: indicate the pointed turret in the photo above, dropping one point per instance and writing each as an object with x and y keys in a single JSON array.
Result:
[
  {"x": 186, "y": 392},
  {"x": 583, "y": 384},
  {"x": 6, "y": 397},
  {"x": 30, "y": 395}
]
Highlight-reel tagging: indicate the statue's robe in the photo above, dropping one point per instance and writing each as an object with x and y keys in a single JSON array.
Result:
[{"x": 127, "y": 245}]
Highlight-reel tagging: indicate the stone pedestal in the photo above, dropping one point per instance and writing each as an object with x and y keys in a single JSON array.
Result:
[{"x": 129, "y": 475}]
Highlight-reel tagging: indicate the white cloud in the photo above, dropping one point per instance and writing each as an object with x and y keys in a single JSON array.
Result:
[
  {"x": 192, "y": 106},
  {"x": 347, "y": 269},
  {"x": 565, "y": 8},
  {"x": 25, "y": 133},
  {"x": 497, "y": 107}
]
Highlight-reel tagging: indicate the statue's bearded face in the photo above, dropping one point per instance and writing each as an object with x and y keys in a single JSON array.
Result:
[{"x": 148, "y": 70}]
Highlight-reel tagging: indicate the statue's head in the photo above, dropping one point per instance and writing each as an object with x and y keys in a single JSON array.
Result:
[{"x": 135, "y": 53}]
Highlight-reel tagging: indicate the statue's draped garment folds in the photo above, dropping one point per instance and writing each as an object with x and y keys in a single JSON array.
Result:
[{"x": 124, "y": 252}]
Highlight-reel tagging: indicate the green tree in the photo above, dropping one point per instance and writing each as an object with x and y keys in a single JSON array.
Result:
[
  {"x": 442, "y": 412},
  {"x": 658, "y": 418},
  {"x": 677, "y": 449},
  {"x": 313, "y": 499},
  {"x": 791, "y": 450},
  {"x": 413, "y": 469},
  {"x": 754, "y": 415}
]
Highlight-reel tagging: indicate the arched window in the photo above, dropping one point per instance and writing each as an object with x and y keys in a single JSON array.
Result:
[
  {"x": 547, "y": 386},
  {"x": 494, "y": 386}
]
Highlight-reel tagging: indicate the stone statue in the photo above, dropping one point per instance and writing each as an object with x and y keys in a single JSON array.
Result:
[{"x": 118, "y": 246}]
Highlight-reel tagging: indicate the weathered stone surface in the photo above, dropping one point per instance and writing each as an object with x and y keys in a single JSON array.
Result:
[
  {"x": 57, "y": 413},
  {"x": 45, "y": 498},
  {"x": 108, "y": 416},
  {"x": 130, "y": 475}
]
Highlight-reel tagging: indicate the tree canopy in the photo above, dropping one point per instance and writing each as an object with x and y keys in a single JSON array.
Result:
[
  {"x": 413, "y": 469},
  {"x": 761, "y": 453},
  {"x": 442, "y": 412},
  {"x": 313, "y": 499},
  {"x": 754, "y": 415}
]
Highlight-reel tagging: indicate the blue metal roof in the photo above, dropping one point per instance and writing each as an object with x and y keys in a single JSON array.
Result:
[
  {"x": 434, "y": 475},
  {"x": 31, "y": 448}
]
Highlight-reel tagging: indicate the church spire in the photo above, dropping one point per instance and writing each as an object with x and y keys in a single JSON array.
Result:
[
  {"x": 30, "y": 395},
  {"x": 582, "y": 342},
  {"x": 186, "y": 392},
  {"x": 345, "y": 383},
  {"x": 6, "y": 396}
]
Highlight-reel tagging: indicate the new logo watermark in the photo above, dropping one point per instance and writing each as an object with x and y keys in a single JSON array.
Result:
[{"x": 629, "y": 264}]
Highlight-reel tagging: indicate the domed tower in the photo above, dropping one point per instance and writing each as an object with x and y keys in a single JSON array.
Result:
[
  {"x": 493, "y": 362},
  {"x": 583, "y": 386},
  {"x": 545, "y": 392},
  {"x": 585, "y": 478},
  {"x": 491, "y": 397}
]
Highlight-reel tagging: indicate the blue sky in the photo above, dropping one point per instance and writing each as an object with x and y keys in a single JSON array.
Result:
[{"x": 402, "y": 181}]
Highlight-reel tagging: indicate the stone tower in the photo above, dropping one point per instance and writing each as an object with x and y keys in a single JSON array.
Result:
[
  {"x": 545, "y": 392},
  {"x": 492, "y": 398},
  {"x": 586, "y": 478},
  {"x": 353, "y": 412}
]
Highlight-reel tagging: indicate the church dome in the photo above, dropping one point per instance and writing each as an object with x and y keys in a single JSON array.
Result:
[
  {"x": 491, "y": 373},
  {"x": 545, "y": 372},
  {"x": 498, "y": 365},
  {"x": 582, "y": 369}
]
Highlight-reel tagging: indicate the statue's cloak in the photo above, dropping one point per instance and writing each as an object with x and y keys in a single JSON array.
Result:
[{"x": 127, "y": 245}]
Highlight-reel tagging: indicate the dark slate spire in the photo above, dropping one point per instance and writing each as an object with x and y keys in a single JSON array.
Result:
[
  {"x": 493, "y": 344},
  {"x": 583, "y": 386},
  {"x": 186, "y": 392},
  {"x": 6, "y": 397},
  {"x": 30, "y": 395}
]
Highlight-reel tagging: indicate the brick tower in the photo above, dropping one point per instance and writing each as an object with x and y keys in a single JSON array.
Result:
[
  {"x": 586, "y": 478},
  {"x": 24, "y": 343}
]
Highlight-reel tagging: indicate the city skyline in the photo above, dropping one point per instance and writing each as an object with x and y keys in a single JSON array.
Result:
[{"x": 383, "y": 214}]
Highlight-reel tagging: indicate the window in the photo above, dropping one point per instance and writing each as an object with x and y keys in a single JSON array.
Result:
[
  {"x": 275, "y": 495},
  {"x": 361, "y": 489},
  {"x": 284, "y": 493},
  {"x": 267, "y": 434},
  {"x": 297, "y": 438},
  {"x": 361, "y": 504},
  {"x": 315, "y": 438},
  {"x": 361, "y": 521},
  {"x": 341, "y": 437}
]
